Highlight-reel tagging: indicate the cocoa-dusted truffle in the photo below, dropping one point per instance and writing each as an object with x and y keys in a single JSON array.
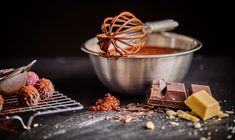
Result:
[
  {"x": 28, "y": 96},
  {"x": 1, "y": 102},
  {"x": 45, "y": 88},
  {"x": 32, "y": 78}
]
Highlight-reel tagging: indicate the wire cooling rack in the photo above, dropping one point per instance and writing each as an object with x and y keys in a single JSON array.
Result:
[{"x": 56, "y": 104}]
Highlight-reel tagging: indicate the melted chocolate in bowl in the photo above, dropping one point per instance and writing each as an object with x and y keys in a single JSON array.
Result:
[
  {"x": 149, "y": 50},
  {"x": 153, "y": 50}
]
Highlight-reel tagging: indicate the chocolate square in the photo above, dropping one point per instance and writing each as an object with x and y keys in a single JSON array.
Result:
[
  {"x": 172, "y": 96},
  {"x": 196, "y": 88},
  {"x": 175, "y": 92}
]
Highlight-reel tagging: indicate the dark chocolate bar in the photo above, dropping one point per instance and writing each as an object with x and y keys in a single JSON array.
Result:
[{"x": 172, "y": 96}]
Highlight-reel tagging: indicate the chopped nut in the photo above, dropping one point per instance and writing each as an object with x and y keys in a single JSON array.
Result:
[
  {"x": 174, "y": 123},
  {"x": 171, "y": 113},
  {"x": 172, "y": 117},
  {"x": 222, "y": 114},
  {"x": 197, "y": 125},
  {"x": 150, "y": 125},
  {"x": 187, "y": 116}
]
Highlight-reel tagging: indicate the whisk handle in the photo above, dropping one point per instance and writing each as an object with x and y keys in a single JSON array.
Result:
[{"x": 159, "y": 26}]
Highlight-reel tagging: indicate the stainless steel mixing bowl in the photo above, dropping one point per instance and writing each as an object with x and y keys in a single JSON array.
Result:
[{"x": 132, "y": 75}]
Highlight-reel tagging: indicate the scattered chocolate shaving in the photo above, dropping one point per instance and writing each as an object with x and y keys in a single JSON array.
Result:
[
  {"x": 138, "y": 107},
  {"x": 133, "y": 112},
  {"x": 127, "y": 116}
]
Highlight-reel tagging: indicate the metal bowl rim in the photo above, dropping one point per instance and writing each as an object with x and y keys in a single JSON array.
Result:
[{"x": 197, "y": 47}]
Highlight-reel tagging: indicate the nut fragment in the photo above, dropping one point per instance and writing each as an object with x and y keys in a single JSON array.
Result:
[
  {"x": 171, "y": 113},
  {"x": 187, "y": 116},
  {"x": 197, "y": 125},
  {"x": 150, "y": 125},
  {"x": 221, "y": 114},
  {"x": 172, "y": 117}
]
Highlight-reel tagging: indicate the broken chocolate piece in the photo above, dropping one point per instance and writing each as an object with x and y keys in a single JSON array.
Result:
[
  {"x": 196, "y": 88},
  {"x": 175, "y": 92},
  {"x": 162, "y": 86},
  {"x": 173, "y": 97}
]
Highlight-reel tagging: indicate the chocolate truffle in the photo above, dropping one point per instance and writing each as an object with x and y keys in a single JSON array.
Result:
[
  {"x": 1, "y": 102},
  {"x": 45, "y": 88},
  {"x": 28, "y": 96},
  {"x": 32, "y": 78}
]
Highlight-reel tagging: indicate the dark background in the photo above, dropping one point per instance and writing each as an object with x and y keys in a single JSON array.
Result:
[{"x": 58, "y": 28}]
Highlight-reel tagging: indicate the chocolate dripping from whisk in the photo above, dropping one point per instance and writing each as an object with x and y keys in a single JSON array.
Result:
[{"x": 124, "y": 29}]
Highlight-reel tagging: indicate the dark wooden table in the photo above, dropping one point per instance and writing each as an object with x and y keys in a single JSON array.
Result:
[{"x": 75, "y": 77}]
